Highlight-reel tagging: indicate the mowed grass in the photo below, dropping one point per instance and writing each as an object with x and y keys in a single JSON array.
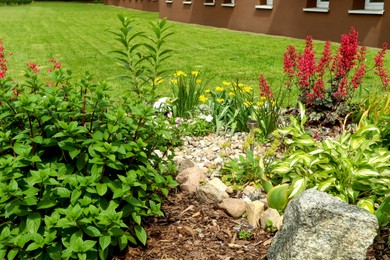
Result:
[{"x": 76, "y": 34}]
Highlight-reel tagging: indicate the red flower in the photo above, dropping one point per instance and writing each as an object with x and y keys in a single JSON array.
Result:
[
  {"x": 33, "y": 67},
  {"x": 264, "y": 88},
  {"x": 306, "y": 64},
  {"x": 379, "y": 69}
]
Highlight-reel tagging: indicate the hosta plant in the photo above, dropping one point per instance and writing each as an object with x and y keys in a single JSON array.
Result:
[
  {"x": 78, "y": 171},
  {"x": 353, "y": 167}
]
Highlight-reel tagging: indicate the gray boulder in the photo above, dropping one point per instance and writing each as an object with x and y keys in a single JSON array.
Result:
[{"x": 319, "y": 226}]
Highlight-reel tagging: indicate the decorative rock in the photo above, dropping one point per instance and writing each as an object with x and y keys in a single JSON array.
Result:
[
  {"x": 217, "y": 183},
  {"x": 319, "y": 226},
  {"x": 248, "y": 190},
  {"x": 254, "y": 210},
  {"x": 233, "y": 207},
  {"x": 208, "y": 193},
  {"x": 270, "y": 215},
  {"x": 184, "y": 164},
  {"x": 229, "y": 190},
  {"x": 190, "y": 178}
]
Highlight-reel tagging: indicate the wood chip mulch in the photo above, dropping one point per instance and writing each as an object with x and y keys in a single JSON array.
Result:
[{"x": 193, "y": 230}]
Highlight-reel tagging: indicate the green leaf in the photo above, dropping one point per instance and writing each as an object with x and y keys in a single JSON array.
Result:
[
  {"x": 88, "y": 245},
  {"x": 122, "y": 240},
  {"x": 136, "y": 218},
  {"x": 297, "y": 187},
  {"x": 54, "y": 250},
  {"x": 74, "y": 152},
  {"x": 278, "y": 197},
  {"x": 92, "y": 231},
  {"x": 366, "y": 204},
  {"x": 12, "y": 253},
  {"x": 101, "y": 188},
  {"x": 366, "y": 173},
  {"x": 141, "y": 234},
  {"x": 104, "y": 242},
  {"x": 33, "y": 222}
]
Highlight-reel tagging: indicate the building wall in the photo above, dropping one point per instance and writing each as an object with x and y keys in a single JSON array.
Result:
[
  {"x": 286, "y": 18},
  {"x": 143, "y": 5}
]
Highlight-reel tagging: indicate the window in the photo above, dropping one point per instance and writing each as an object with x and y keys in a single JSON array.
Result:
[
  {"x": 374, "y": 4},
  {"x": 319, "y": 6},
  {"x": 370, "y": 7},
  {"x": 323, "y": 3},
  {"x": 228, "y": 3},
  {"x": 209, "y": 2},
  {"x": 264, "y": 4}
]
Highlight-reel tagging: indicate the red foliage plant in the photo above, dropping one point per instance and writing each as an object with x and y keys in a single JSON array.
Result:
[{"x": 346, "y": 70}]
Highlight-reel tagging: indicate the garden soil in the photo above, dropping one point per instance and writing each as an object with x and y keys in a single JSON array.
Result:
[{"x": 193, "y": 230}]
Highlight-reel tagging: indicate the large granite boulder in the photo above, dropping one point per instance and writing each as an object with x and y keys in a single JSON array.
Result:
[{"x": 319, "y": 226}]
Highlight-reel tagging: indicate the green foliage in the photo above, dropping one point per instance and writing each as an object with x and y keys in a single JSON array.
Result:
[
  {"x": 376, "y": 110},
  {"x": 246, "y": 169},
  {"x": 186, "y": 92},
  {"x": 230, "y": 105},
  {"x": 383, "y": 212},
  {"x": 15, "y": 2},
  {"x": 353, "y": 167},
  {"x": 78, "y": 171},
  {"x": 245, "y": 232},
  {"x": 142, "y": 56}
]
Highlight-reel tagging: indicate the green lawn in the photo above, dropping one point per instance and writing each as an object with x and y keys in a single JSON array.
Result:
[{"x": 76, "y": 34}]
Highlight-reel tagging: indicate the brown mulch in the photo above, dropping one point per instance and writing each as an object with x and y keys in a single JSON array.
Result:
[{"x": 193, "y": 230}]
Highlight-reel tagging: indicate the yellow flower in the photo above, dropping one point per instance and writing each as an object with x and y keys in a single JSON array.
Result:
[
  {"x": 174, "y": 81},
  {"x": 240, "y": 85},
  {"x": 260, "y": 103},
  {"x": 231, "y": 94},
  {"x": 158, "y": 80},
  {"x": 220, "y": 100},
  {"x": 263, "y": 98},
  {"x": 247, "y": 104},
  {"x": 207, "y": 91},
  {"x": 226, "y": 83},
  {"x": 247, "y": 89},
  {"x": 179, "y": 73},
  {"x": 219, "y": 89},
  {"x": 195, "y": 73},
  {"x": 202, "y": 98},
  {"x": 273, "y": 103},
  {"x": 198, "y": 81}
]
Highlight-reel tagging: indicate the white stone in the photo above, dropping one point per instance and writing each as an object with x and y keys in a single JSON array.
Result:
[{"x": 254, "y": 210}]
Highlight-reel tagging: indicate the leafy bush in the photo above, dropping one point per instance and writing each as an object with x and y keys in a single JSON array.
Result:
[
  {"x": 353, "y": 167},
  {"x": 78, "y": 171},
  {"x": 15, "y": 2}
]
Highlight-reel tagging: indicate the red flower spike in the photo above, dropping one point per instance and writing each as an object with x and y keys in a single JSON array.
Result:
[{"x": 264, "y": 88}]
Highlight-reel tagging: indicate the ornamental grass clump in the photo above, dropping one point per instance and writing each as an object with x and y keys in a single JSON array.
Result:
[{"x": 327, "y": 86}]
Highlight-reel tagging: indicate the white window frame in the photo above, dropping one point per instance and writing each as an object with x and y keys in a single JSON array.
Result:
[
  {"x": 322, "y": 4},
  {"x": 373, "y": 5},
  {"x": 270, "y": 2},
  {"x": 231, "y": 4},
  {"x": 210, "y": 3},
  {"x": 268, "y": 5}
]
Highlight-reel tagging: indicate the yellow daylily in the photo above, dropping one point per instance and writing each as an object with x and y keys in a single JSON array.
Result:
[
  {"x": 179, "y": 73},
  {"x": 203, "y": 98},
  {"x": 195, "y": 73},
  {"x": 219, "y": 89},
  {"x": 220, "y": 100}
]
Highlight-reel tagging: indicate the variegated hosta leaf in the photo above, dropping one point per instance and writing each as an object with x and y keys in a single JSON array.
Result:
[
  {"x": 366, "y": 204},
  {"x": 297, "y": 187},
  {"x": 365, "y": 173}
]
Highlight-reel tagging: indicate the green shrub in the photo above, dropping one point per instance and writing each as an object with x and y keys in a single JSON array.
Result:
[
  {"x": 354, "y": 167},
  {"x": 78, "y": 171},
  {"x": 15, "y": 2}
]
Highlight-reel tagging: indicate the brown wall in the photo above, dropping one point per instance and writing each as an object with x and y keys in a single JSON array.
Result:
[
  {"x": 143, "y": 5},
  {"x": 287, "y": 18}
]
